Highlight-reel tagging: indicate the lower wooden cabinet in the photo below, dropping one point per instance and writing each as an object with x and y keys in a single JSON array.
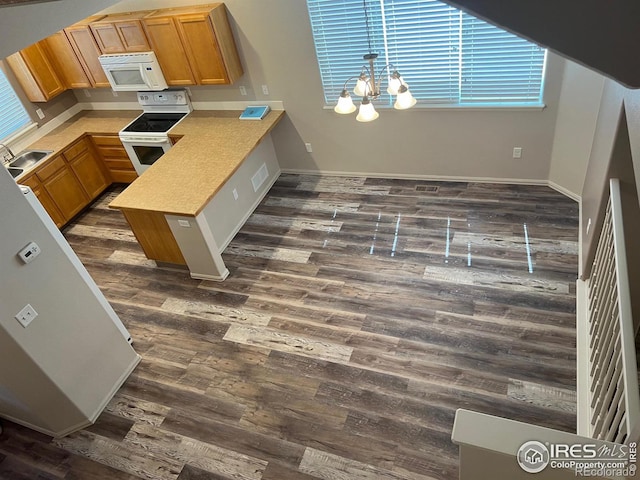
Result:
[
  {"x": 64, "y": 187},
  {"x": 115, "y": 158},
  {"x": 90, "y": 171},
  {"x": 45, "y": 199},
  {"x": 69, "y": 181}
]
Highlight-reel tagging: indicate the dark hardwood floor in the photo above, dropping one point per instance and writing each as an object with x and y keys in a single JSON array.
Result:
[{"x": 360, "y": 313}]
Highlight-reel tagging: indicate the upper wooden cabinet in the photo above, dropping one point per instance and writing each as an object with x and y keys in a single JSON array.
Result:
[
  {"x": 120, "y": 33},
  {"x": 194, "y": 45},
  {"x": 87, "y": 50},
  {"x": 165, "y": 40},
  {"x": 65, "y": 61},
  {"x": 35, "y": 73}
]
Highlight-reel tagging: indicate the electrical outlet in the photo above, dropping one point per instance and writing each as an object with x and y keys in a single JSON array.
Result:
[
  {"x": 114, "y": 93},
  {"x": 265, "y": 89},
  {"x": 26, "y": 315},
  {"x": 40, "y": 113},
  {"x": 87, "y": 93},
  {"x": 243, "y": 90},
  {"x": 517, "y": 152},
  {"x": 235, "y": 193},
  {"x": 184, "y": 223},
  {"x": 308, "y": 147},
  {"x": 588, "y": 226}
]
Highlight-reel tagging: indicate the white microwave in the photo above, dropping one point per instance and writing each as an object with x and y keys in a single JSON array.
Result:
[{"x": 131, "y": 72}]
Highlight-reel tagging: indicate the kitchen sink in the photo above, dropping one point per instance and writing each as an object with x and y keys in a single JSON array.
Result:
[
  {"x": 27, "y": 159},
  {"x": 15, "y": 171}
]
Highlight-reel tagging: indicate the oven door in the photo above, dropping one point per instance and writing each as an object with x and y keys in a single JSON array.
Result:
[{"x": 144, "y": 152}]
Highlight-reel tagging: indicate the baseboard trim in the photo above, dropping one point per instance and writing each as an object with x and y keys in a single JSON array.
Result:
[
  {"x": 410, "y": 176},
  {"x": 438, "y": 178},
  {"x": 213, "y": 278},
  {"x": 565, "y": 191},
  {"x": 114, "y": 389}
]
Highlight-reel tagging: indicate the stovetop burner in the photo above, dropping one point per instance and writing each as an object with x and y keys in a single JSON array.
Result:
[{"x": 154, "y": 122}]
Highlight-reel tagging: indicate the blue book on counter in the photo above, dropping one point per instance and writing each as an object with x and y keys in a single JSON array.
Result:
[{"x": 255, "y": 112}]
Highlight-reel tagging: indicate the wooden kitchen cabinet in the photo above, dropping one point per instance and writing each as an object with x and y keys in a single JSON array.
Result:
[
  {"x": 35, "y": 73},
  {"x": 90, "y": 171},
  {"x": 194, "y": 45},
  {"x": 63, "y": 187},
  {"x": 45, "y": 199},
  {"x": 167, "y": 45},
  {"x": 69, "y": 181},
  {"x": 154, "y": 236},
  {"x": 115, "y": 158},
  {"x": 120, "y": 33},
  {"x": 65, "y": 61},
  {"x": 87, "y": 50}
]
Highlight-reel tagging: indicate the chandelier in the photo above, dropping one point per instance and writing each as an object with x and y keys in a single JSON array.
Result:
[{"x": 368, "y": 86}]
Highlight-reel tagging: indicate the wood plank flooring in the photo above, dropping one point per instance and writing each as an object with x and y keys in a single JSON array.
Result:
[{"x": 360, "y": 313}]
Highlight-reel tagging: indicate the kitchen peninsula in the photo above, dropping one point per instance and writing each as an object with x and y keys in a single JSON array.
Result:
[{"x": 189, "y": 204}]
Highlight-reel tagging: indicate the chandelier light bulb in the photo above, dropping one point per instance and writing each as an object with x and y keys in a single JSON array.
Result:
[
  {"x": 367, "y": 113},
  {"x": 345, "y": 104},
  {"x": 404, "y": 99},
  {"x": 362, "y": 86},
  {"x": 395, "y": 82}
]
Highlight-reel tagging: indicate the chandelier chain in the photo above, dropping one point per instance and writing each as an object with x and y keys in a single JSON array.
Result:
[{"x": 366, "y": 20}]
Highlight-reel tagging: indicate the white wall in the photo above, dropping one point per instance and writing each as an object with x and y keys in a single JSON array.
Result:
[
  {"x": 594, "y": 191},
  {"x": 276, "y": 45},
  {"x": 575, "y": 127},
  {"x": 52, "y": 365},
  {"x": 22, "y": 25}
]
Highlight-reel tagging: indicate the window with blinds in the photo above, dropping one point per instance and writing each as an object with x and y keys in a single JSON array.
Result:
[
  {"x": 446, "y": 56},
  {"x": 13, "y": 116}
]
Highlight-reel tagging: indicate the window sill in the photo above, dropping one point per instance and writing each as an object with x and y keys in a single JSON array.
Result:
[
  {"x": 23, "y": 132},
  {"x": 474, "y": 108}
]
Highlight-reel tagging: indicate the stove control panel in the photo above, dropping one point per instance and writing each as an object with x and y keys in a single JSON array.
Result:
[{"x": 166, "y": 97}]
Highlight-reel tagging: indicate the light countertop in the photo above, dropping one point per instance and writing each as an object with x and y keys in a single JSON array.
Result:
[
  {"x": 185, "y": 179},
  {"x": 92, "y": 122},
  {"x": 213, "y": 145}
]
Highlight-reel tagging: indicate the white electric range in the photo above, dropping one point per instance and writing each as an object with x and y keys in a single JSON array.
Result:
[{"x": 146, "y": 138}]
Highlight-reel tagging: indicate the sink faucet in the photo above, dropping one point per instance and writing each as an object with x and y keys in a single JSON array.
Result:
[{"x": 11, "y": 155}]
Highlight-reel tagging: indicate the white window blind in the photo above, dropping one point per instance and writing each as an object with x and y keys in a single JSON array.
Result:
[
  {"x": 445, "y": 55},
  {"x": 13, "y": 116}
]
